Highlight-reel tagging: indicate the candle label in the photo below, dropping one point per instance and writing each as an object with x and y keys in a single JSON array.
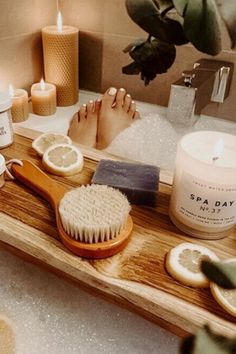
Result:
[
  {"x": 205, "y": 203},
  {"x": 5, "y": 130}
]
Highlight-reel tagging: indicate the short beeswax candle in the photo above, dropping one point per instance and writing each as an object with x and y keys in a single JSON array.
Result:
[
  {"x": 43, "y": 97},
  {"x": 20, "y": 104},
  {"x": 203, "y": 199},
  {"x": 60, "y": 51}
]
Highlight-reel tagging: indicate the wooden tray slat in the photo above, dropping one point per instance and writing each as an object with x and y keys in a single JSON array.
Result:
[{"x": 136, "y": 277}]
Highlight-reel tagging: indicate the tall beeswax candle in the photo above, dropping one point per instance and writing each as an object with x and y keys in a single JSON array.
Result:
[
  {"x": 203, "y": 198},
  {"x": 60, "y": 51}
]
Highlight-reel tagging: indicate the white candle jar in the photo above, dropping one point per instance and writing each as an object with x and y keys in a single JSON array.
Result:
[
  {"x": 6, "y": 130},
  {"x": 2, "y": 170},
  {"x": 203, "y": 199}
]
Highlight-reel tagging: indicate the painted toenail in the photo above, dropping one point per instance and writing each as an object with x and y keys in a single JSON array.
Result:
[
  {"x": 122, "y": 89},
  {"x": 112, "y": 91},
  {"x": 84, "y": 105},
  {"x": 128, "y": 95},
  {"x": 91, "y": 101}
]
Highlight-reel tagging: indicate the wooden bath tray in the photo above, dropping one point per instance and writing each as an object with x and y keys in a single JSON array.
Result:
[{"x": 136, "y": 277}]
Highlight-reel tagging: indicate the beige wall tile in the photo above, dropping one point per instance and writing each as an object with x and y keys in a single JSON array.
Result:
[
  {"x": 87, "y": 15},
  {"x": 117, "y": 20},
  {"x": 106, "y": 16},
  {"x": 25, "y": 16},
  {"x": 21, "y": 61},
  {"x": 91, "y": 61}
]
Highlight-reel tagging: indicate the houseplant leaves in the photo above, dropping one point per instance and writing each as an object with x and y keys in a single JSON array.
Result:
[
  {"x": 151, "y": 57},
  {"x": 223, "y": 274},
  {"x": 151, "y": 16},
  {"x": 202, "y": 25},
  {"x": 228, "y": 12},
  {"x": 196, "y": 21},
  {"x": 207, "y": 342},
  {"x": 180, "y": 6}
]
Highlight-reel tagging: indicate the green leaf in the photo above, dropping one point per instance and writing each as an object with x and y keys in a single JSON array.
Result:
[
  {"x": 207, "y": 342},
  {"x": 163, "y": 5},
  {"x": 180, "y": 6},
  {"x": 228, "y": 12},
  {"x": 148, "y": 15},
  {"x": 134, "y": 44},
  {"x": 202, "y": 26},
  {"x": 132, "y": 69},
  {"x": 150, "y": 58},
  {"x": 223, "y": 274}
]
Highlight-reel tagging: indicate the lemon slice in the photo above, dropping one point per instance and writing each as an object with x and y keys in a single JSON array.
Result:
[
  {"x": 44, "y": 141},
  {"x": 183, "y": 264},
  {"x": 63, "y": 159},
  {"x": 225, "y": 298}
]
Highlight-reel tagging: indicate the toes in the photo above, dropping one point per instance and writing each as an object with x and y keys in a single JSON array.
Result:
[
  {"x": 82, "y": 112},
  {"x": 97, "y": 105},
  {"x": 109, "y": 98},
  {"x": 90, "y": 107},
  {"x": 136, "y": 115},
  {"x": 127, "y": 102},
  {"x": 73, "y": 124},
  {"x": 120, "y": 98},
  {"x": 132, "y": 109}
]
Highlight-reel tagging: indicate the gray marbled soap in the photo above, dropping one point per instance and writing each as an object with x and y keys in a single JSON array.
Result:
[{"x": 139, "y": 182}]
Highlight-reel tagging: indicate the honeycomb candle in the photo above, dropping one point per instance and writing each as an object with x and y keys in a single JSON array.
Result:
[
  {"x": 203, "y": 200},
  {"x": 43, "y": 97},
  {"x": 60, "y": 52},
  {"x": 20, "y": 104}
]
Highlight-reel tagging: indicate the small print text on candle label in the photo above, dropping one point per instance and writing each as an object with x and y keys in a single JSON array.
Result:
[
  {"x": 204, "y": 203},
  {"x": 2, "y": 131}
]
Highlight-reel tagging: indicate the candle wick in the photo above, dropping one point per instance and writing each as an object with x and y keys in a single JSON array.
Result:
[{"x": 214, "y": 159}]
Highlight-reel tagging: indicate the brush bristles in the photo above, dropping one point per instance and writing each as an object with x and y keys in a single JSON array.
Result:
[{"x": 94, "y": 213}]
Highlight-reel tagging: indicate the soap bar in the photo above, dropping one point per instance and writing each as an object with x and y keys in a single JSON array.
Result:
[{"x": 139, "y": 182}]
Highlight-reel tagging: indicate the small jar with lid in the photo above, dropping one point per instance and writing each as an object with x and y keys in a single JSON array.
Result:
[
  {"x": 2, "y": 170},
  {"x": 6, "y": 129}
]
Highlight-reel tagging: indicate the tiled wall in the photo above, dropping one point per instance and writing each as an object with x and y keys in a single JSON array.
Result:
[
  {"x": 105, "y": 30},
  {"x": 20, "y": 40}
]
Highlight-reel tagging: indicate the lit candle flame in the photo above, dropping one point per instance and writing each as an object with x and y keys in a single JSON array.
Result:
[
  {"x": 59, "y": 22},
  {"x": 42, "y": 84},
  {"x": 11, "y": 91},
  {"x": 218, "y": 150}
]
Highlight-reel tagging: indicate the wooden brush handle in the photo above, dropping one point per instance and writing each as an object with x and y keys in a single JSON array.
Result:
[{"x": 38, "y": 181}]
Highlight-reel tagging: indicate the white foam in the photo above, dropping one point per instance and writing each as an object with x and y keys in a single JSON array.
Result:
[
  {"x": 151, "y": 140},
  {"x": 51, "y": 316}
]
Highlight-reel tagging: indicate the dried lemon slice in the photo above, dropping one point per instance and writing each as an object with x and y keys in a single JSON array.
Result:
[
  {"x": 225, "y": 298},
  {"x": 63, "y": 159},
  {"x": 44, "y": 141},
  {"x": 183, "y": 264}
]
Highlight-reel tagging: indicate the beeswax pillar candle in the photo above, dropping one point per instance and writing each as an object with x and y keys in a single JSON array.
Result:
[
  {"x": 203, "y": 198},
  {"x": 20, "y": 105},
  {"x": 60, "y": 52},
  {"x": 43, "y": 97}
]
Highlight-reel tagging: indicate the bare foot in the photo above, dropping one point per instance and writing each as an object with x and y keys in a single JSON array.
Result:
[
  {"x": 117, "y": 112},
  {"x": 83, "y": 126}
]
